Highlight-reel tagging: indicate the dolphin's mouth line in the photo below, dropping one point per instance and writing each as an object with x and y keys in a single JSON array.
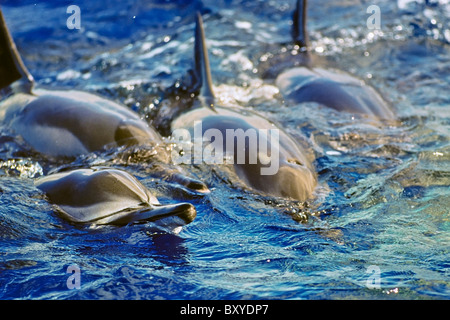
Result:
[
  {"x": 145, "y": 213},
  {"x": 121, "y": 212}
]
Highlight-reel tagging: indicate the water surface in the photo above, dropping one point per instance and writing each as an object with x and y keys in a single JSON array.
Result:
[{"x": 383, "y": 200}]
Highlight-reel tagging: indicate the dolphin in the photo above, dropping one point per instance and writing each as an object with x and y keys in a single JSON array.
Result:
[
  {"x": 103, "y": 196},
  {"x": 332, "y": 88},
  {"x": 62, "y": 123},
  {"x": 70, "y": 123},
  {"x": 283, "y": 171}
]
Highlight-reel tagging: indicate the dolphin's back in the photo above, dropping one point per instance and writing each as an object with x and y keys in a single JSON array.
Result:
[
  {"x": 333, "y": 89},
  {"x": 71, "y": 123}
]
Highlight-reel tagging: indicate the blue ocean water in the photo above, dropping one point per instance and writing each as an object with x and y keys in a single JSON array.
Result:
[{"x": 379, "y": 225}]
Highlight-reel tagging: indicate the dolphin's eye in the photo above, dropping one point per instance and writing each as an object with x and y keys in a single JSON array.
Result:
[{"x": 295, "y": 161}]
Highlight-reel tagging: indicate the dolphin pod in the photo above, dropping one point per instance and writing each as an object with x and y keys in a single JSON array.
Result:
[
  {"x": 294, "y": 175},
  {"x": 71, "y": 123},
  {"x": 332, "y": 88}
]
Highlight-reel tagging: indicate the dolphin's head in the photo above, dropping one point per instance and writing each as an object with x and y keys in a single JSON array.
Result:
[
  {"x": 102, "y": 196},
  {"x": 287, "y": 179},
  {"x": 294, "y": 181}
]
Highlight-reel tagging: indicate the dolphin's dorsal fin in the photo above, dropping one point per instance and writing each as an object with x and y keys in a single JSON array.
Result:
[
  {"x": 299, "y": 32},
  {"x": 201, "y": 67},
  {"x": 12, "y": 68}
]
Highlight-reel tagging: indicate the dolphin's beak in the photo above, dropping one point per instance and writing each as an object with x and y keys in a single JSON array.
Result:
[
  {"x": 170, "y": 217},
  {"x": 184, "y": 211}
]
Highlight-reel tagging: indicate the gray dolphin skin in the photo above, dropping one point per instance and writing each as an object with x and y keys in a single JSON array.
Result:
[
  {"x": 110, "y": 196},
  {"x": 70, "y": 123},
  {"x": 63, "y": 123},
  {"x": 295, "y": 177},
  {"x": 334, "y": 89}
]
